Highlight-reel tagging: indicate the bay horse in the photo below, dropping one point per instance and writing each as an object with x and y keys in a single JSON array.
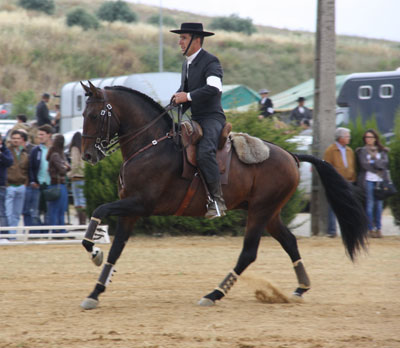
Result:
[{"x": 151, "y": 183}]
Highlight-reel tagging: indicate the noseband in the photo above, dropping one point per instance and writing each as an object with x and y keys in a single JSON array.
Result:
[{"x": 107, "y": 146}]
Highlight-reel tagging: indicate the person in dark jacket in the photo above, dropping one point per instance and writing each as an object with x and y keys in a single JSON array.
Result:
[
  {"x": 6, "y": 161},
  {"x": 42, "y": 111},
  {"x": 265, "y": 104},
  {"x": 39, "y": 178},
  {"x": 300, "y": 112},
  {"x": 201, "y": 90}
]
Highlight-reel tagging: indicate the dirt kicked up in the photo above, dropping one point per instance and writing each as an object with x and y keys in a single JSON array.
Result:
[{"x": 152, "y": 301}]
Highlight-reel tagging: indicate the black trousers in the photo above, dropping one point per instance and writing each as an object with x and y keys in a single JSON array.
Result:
[{"x": 207, "y": 149}]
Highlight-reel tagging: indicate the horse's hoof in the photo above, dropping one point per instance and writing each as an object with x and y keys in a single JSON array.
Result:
[
  {"x": 97, "y": 256},
  {"x": 297, "y": 298},
  {"x": 89, "y": 303},
  {"x": 206, "y": 302}
]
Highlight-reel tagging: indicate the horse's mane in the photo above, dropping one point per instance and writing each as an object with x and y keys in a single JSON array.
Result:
[{"x": 140, "y": 94}]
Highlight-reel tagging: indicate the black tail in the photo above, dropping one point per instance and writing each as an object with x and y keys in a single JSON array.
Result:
[{"x": 349, "y": 211}]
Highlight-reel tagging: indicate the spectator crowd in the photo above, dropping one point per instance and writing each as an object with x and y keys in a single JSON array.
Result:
[{"x": 35, "y": 173}]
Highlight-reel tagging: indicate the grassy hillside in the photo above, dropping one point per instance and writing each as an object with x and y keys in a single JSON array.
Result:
[{"x": 41, "y": 53}]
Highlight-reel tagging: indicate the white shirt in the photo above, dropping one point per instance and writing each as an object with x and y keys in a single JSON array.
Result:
[{"x": 370, "y": 176}]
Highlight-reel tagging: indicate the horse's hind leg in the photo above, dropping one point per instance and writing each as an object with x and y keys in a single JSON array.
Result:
[
  {"x": 254, "y": 230},
  {"x": 122, "y": 233},
  {"x": 288, "y": 242}
]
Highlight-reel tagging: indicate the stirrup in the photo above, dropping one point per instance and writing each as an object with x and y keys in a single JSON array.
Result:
[{"x": 213, "y": 211}]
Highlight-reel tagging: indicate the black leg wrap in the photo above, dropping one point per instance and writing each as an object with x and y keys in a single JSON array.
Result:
[
  {"x": 99, "y": 288},
  {"x": 88, "y": 245},
  {"x": 215, "y": 295},
  {"x": 299, "y": 292}
]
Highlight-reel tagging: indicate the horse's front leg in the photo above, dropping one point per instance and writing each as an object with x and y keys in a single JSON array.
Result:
[
  {"x": 124, "y": 207},
  {"x": 124, "y": 228}
]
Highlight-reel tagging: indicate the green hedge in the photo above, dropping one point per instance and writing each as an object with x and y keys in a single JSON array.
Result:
[{"x": 101, "y": 187}]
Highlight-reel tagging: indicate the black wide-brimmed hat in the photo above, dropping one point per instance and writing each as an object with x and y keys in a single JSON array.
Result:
[{"x": 192, "y": 28}]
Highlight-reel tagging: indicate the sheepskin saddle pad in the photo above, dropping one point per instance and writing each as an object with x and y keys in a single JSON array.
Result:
[{"x": 250, "y": 150}]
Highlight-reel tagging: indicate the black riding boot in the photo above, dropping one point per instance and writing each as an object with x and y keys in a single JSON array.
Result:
[{"x": 216, "y": 205}]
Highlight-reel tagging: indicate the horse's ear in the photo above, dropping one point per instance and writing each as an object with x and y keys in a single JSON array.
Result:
[
  {"x": 86, "y": 88},
  {"x": 94, "y": 90}
]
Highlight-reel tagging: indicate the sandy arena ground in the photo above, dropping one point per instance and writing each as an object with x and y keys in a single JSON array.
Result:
[{"x": 152, "y": 299}]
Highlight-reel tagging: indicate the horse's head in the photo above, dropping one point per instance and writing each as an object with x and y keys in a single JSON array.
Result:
[{"x": 100, "y": 124}]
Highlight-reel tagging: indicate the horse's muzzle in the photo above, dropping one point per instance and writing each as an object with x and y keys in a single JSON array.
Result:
[{"x": 90, "y": 158}]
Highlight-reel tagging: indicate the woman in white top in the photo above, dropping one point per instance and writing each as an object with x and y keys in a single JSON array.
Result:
[{"x": 373, "y": 164}]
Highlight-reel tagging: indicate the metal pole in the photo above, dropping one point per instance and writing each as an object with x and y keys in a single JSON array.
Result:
[{"x": 160, "y": 52}]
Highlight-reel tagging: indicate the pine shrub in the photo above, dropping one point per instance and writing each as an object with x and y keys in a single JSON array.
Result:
[
  {"x": 234, "y": 23},
  {"x": 82, "y": 18},
  {"x": 46, "y": 6},
  {"x": 112, "y": 11},
  {"x": 24, "y": 103}
]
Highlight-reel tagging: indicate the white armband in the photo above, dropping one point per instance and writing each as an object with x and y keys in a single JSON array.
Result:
[
  {"x": 188, "y": 96},
  {"x": 215, "y": 81}
]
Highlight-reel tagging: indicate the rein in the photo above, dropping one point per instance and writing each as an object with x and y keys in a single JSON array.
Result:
[{"x": 110, "y": 145}]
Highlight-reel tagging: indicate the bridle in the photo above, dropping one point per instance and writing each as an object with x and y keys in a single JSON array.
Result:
[{"x": 110, "y": 144}]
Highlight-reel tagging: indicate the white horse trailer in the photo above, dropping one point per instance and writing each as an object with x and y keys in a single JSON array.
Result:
[{"x": 159, "y": 86}]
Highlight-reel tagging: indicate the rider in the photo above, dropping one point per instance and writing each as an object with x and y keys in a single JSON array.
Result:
[{"x": 200, "y": 90}]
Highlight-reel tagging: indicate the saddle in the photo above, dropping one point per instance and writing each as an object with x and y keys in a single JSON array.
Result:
[{"x": 191, "y": 133}]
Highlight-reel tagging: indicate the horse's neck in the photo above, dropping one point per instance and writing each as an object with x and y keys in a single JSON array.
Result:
[{"x": 136, "y": 135}]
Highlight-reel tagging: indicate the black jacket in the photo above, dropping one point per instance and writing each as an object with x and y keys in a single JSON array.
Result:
[
  {"x": 42, "y": 114},
  {"x": 34, "y": 164},
  {"x": 206, "y": 100},
  {"x": 6, "y": 161},
  {"x": 264, "y": 106},
  {"x": 297, "y": 116}
]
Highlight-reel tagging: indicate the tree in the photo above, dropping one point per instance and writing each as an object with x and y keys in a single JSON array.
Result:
[
  {"x": 82, "y": 18},
  {"x": 234, "y": 23},
  {"x": 46, "y": 6},
  {"x": 23, "y": 103},
  {"x": 111, "y": 11}
]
